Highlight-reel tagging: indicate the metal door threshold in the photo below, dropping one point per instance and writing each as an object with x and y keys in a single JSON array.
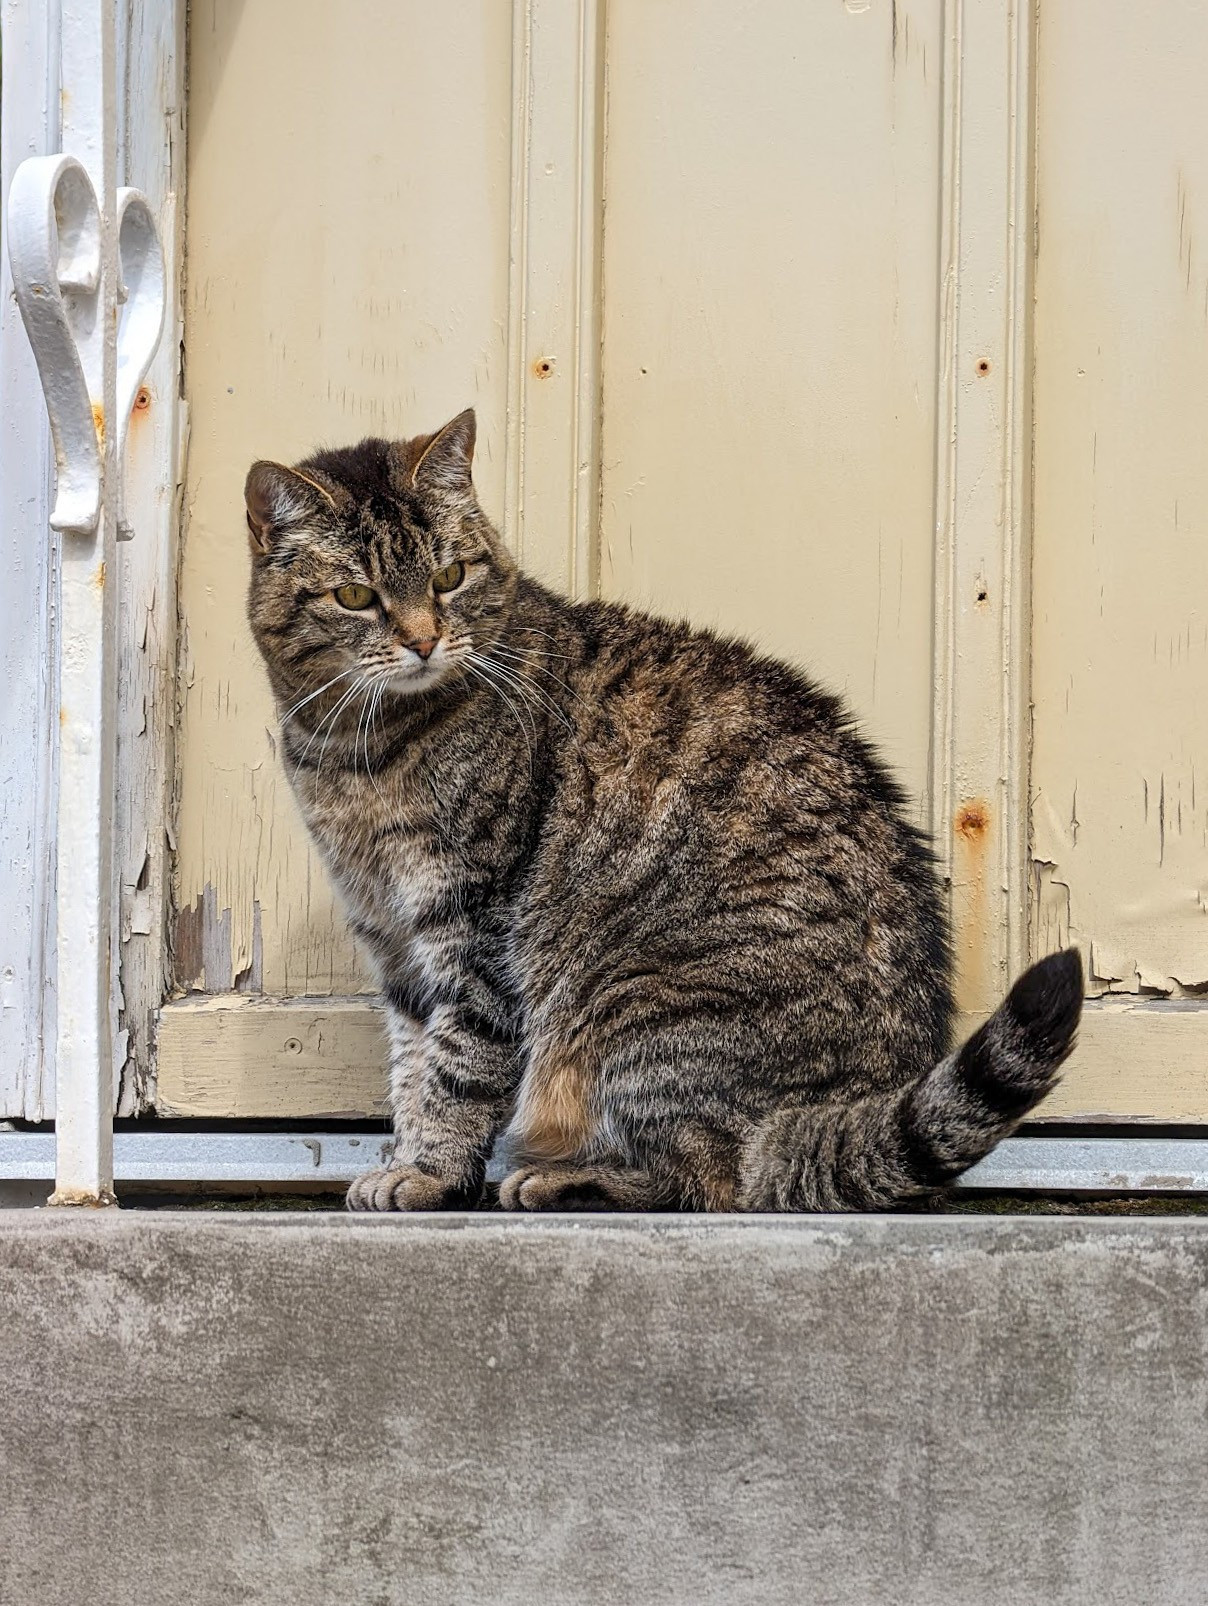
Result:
[{"x": 331, "y": 1158}]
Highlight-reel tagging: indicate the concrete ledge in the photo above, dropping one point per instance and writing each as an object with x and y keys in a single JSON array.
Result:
[{"x": 314, "y": 1410}]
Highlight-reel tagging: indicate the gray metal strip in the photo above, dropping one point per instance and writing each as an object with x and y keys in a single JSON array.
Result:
[
  {"x": 333, "y": 1158},
  {"x": 1093, "y": 1165},
  {"x": 1051, "y": 1165}
]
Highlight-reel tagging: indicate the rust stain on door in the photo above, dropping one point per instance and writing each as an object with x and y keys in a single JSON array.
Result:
[{"x": 972, "y": 833}]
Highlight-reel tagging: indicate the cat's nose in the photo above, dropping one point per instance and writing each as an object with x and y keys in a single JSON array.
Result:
[{"x": 423, "y": 648}]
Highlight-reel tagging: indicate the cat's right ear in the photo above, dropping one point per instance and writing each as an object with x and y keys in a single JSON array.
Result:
[{"x": 279, "y": 498}]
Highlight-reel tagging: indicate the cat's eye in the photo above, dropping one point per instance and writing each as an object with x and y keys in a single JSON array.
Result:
[
  {"x": 448, "y": 579},
  {"x": 355, "y": 597}
]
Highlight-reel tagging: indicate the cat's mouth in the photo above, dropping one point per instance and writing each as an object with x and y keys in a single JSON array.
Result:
[{"x": 412, "y": 673}]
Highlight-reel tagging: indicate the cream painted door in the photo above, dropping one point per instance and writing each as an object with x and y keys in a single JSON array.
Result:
[{"x": 750, "y": 339}]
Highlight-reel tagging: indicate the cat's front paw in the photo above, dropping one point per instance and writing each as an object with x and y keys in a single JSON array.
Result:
[{"x": 404, "y": 1187}]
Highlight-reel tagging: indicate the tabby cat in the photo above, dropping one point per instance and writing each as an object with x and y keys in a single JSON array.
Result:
[{"x": 646, "y": 913}]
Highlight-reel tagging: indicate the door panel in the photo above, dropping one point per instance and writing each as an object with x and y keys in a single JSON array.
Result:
[
  {"x": 1120, "y": 567},
  {"x": 348, "y": 234},
  {"x": 771, "y": 249},
  {"x": 1120, "y": 530}
]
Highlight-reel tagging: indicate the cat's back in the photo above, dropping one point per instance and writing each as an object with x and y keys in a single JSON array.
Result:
[{"x": 660, "y": 695}]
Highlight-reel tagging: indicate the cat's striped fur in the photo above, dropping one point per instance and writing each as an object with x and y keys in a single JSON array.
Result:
[{"x": 643, "y": 907}]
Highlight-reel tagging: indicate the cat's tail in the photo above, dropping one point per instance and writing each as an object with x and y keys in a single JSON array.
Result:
[{"x": 885, "y": 1149}]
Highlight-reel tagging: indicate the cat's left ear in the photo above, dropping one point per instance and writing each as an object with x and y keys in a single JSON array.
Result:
[
  {"x": 279, "y": 498},
  {"x": 443, "y": 460}
]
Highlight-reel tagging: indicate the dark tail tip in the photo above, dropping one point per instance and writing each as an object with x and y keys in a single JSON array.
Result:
[{"x": 1045, "y": 1005}]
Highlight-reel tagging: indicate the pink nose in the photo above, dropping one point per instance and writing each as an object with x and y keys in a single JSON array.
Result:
[{"x": 424, "y": 648}]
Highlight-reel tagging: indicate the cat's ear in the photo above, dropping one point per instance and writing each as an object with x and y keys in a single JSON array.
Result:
[
  {"x": 279, "y": 498},
  {"x": 442, "y": 460}
]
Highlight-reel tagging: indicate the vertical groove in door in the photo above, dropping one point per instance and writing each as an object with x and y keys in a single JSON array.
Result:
[
  {"x": 979, "y": 738},
  {"x": 552, "y": 497}
]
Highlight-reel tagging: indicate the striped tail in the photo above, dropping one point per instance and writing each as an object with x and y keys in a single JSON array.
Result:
[{"x": 896, "y": 1146}]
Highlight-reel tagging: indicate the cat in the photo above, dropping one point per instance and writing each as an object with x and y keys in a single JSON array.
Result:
[{"x": 644, "y": 909}]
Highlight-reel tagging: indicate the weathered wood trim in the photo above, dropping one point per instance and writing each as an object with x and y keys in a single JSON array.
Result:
[
  {"x": 551, "y": 513},
  {"x": 153, "y": 155},
  {"x": 280, "y": 1059},
  {"x": 979, "y": 726},
  {"x": 252, "y": 1057},
  {"x": 1136, "y": 1061},
  {"x": 1142, "y": 1060}
]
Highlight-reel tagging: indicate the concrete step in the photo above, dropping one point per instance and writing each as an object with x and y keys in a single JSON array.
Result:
[{"x": 312, "y": 1410}]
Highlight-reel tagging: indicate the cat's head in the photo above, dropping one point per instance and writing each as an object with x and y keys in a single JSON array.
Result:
[{"x": 375, "y": 563}]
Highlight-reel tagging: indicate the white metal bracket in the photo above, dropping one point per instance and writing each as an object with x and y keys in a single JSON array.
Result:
[
  {"x": 88, "y": 275},
  {"x": 55, "y": 227}
]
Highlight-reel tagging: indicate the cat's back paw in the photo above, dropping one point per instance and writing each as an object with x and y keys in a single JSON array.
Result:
[
  {"x": 571, "y": 1187},
  {"x": 403, "y": 1187}
]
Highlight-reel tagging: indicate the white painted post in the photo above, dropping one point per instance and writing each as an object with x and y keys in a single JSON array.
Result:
[
  {"x": 29, "y": 111},
  {"x": 87, "y": 612},
  {"x": 80, "y": 249}
]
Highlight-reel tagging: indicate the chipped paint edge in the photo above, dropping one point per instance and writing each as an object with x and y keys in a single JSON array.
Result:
[{"x": 154, "y": 151}]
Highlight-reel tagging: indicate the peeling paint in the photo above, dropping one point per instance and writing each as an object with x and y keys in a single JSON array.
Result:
[
  {"x": 187, "y": 946},
  {"x": 251, "y": 978},
  {"x": 203, "y": 949},
  {"x": 1120, "y": 569},
  {"x": 155, "y": 445},
  {"x": 1051, "y": 924},
  {"x": 78, "y": 1199}
]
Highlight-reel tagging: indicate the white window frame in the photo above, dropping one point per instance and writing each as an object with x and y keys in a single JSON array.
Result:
[
  {"x": 134, "y": 103},
  {"x": 85, "y": 737}
]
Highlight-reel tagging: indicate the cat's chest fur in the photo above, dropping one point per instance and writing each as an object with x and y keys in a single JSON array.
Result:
[{"x": 385, "y": 847}]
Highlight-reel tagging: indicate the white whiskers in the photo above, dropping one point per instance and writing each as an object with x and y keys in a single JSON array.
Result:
[{"x": 310, "y": 697}]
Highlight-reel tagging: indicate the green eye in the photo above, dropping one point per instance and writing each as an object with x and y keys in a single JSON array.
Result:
[
  {"x": 448, "y": 579},
  {"x": 355, "y": 597}
]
